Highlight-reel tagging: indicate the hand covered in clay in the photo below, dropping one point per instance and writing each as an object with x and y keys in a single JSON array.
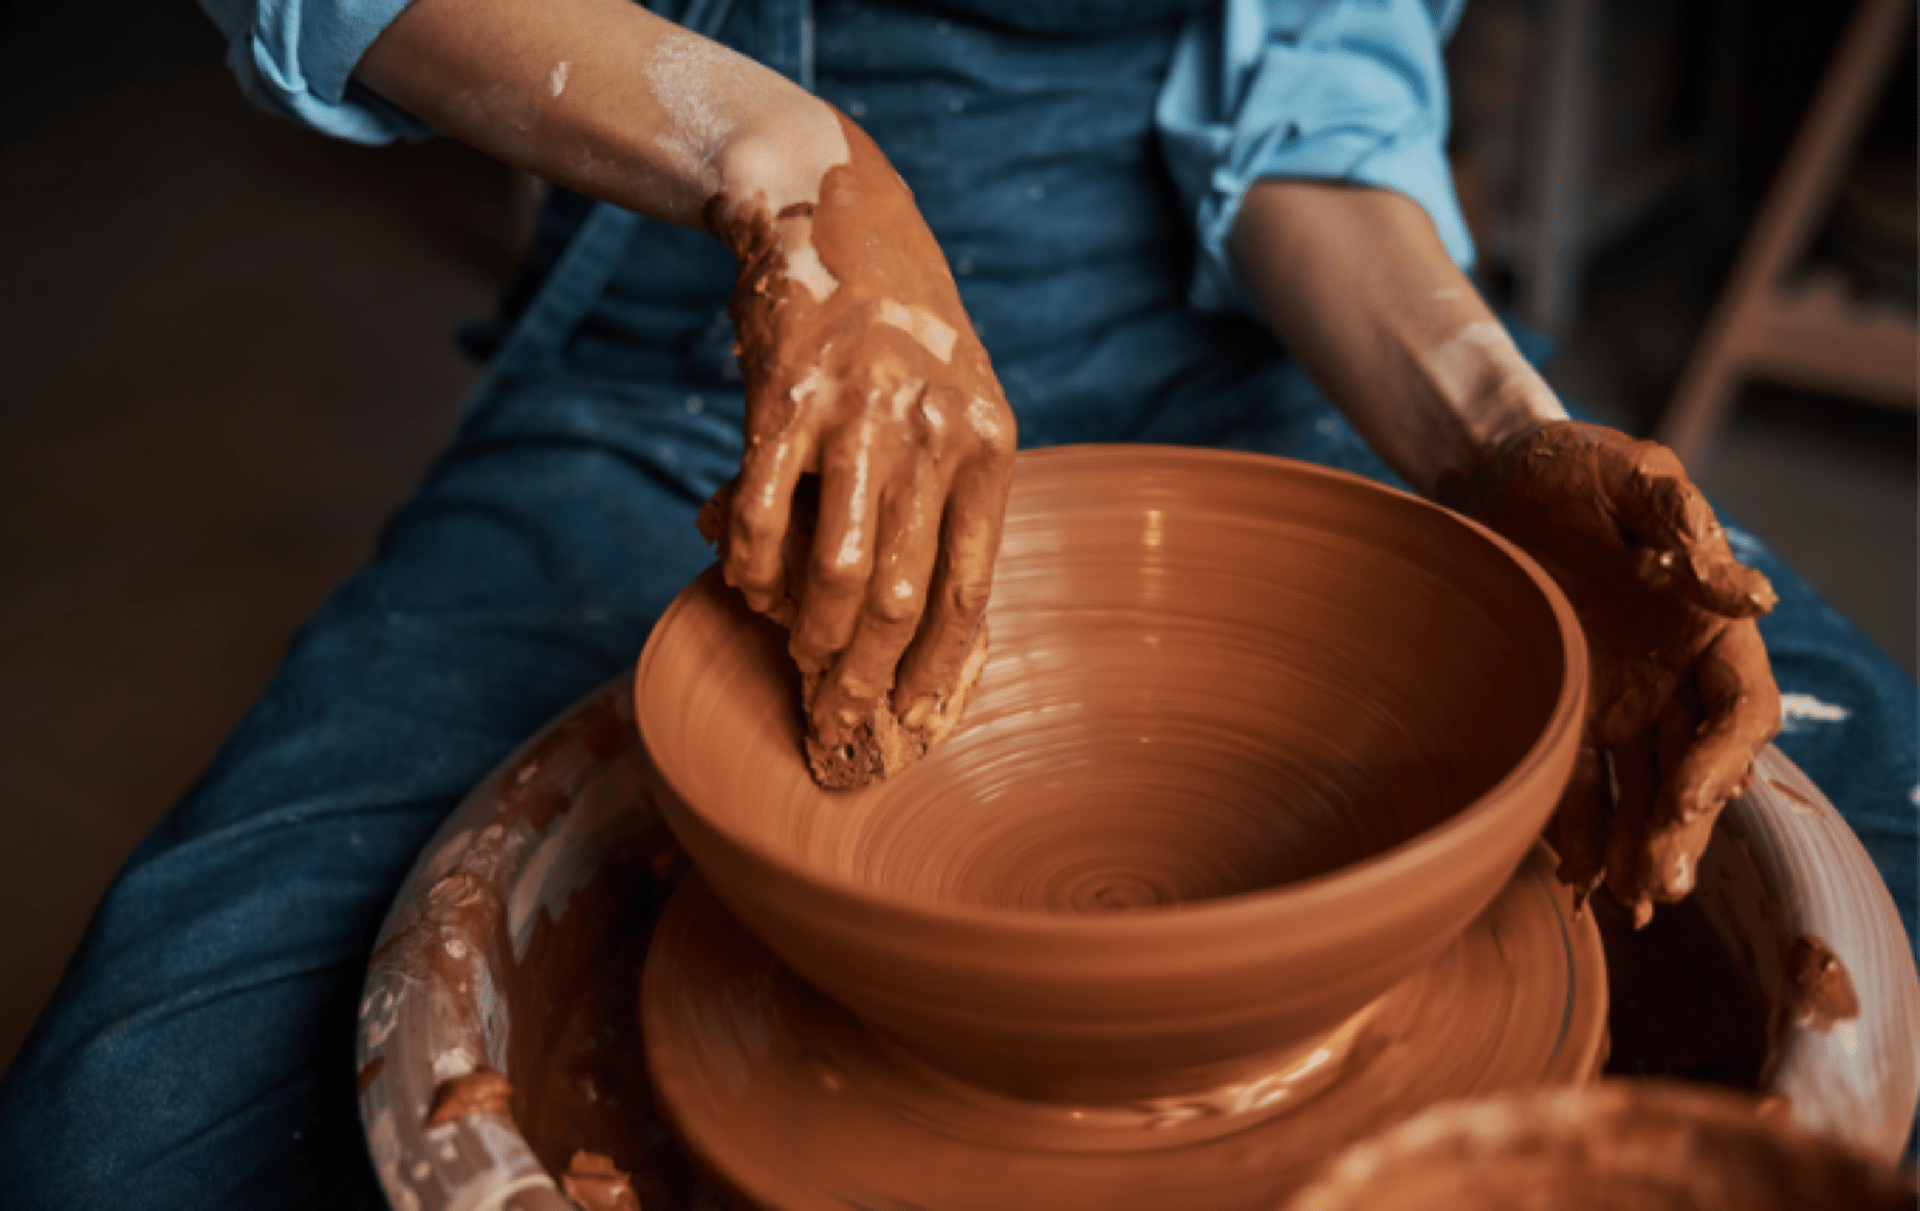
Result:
[
  {"x": 1682, "y": 697},
  {"x": 862, "y": 370}
]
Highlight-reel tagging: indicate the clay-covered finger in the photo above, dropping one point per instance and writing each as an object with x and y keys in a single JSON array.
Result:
[
  {"x": 759, "y": 513},
  {"x": 1676, "y": 833},
  {"x": 841, "y": 561},
  {"x": 716, "y": 517},
  {"x": 1706, "y": 568},
  {"x": 895, "y": 600},
  {"x": 962, "y": 582},
  {"x": 1579, "y": 827},
  {"x": 1636, "y": 780},
  {"x": 1711, "y": 761},
  {"x": 1741, "y": 705},
  {"x": 1681, "y": 540}
]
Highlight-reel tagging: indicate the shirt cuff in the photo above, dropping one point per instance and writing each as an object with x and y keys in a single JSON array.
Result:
[
  {"x": 296, "y": 59},
  {"x": 1364, "y": 103},
  {"x": 1412, "y": 166}
]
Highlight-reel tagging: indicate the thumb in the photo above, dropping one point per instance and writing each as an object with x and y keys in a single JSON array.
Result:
[{"x": 1682, "y": 539}]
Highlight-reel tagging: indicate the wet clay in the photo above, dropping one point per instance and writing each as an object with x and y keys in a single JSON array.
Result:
[
  {"x": 1721, "y": 988},
  {"x": 881, "y": 743},
  {"x": 1683, "y": 697},
  {"x": 1800, "y": 802},
  {"x": 554, "y": 952},
  {"x": 578, "y": 1041},
  {"x": 520, "y": 937},
  {"x": 1255, "y": 742},
  {"x": 1822, "y": 991},
  {"x": 481, "y": 1092},
  {"x": 596, "y": 1184},
  {"x": 862, "y": 370},
  {"x": 1860, "y": 1078},
  {"x": 1617, "y": 1146},
  {"x": 795, "y": 1104}
]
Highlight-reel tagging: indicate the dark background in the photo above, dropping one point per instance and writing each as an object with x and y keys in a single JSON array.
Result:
[{"x": 227, "y": 356}]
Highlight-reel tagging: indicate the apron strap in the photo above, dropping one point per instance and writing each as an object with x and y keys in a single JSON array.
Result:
[{"x": 570, "y": 290}]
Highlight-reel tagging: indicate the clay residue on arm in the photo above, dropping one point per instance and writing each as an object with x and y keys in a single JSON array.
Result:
[
  {"x": 1489, "y": 389},
  {"x": 606, "y": 98},
  {"x": 859, "y": 361}
]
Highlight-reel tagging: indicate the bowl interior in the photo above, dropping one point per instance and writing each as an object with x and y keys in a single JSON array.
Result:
[{"x": 1211, "y": 675}]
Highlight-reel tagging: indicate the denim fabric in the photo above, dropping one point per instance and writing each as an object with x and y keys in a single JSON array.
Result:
[
  {"x": 1848, "y": 719},
  {"x": 1341, "y": 90},
  {"x": 199, "y": 1051}
]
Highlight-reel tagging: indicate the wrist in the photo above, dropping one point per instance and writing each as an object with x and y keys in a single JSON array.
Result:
[
  {"x": 780, "y": 158},
  {"x": 1508, "y": 415},
  {"x": 1514, "y": 407},
  {"x": 1491, "y": 392}
]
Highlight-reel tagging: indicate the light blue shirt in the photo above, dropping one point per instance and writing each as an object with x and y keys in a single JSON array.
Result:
[
  {"x": 1328, "y": 90},
  {"x": 295, "y": 58},
  {"x": 1334, "y": 90}
]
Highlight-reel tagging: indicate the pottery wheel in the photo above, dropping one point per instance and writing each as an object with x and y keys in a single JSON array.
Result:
[{"x": 800, "y": 1106}]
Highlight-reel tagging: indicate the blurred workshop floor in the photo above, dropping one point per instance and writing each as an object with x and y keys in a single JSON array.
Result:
[{"x": 228, "y": 357}]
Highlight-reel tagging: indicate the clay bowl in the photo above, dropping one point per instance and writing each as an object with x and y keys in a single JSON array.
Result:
[
  {"x": 1256, "y": 740},
  {"x": 1622, "y": 1145},
  {"x": 515, "y": 944},
  {"x": 1724, "y": 986}
]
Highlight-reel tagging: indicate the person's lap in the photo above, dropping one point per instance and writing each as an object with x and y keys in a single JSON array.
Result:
[{"x": 199, "y": 1049}]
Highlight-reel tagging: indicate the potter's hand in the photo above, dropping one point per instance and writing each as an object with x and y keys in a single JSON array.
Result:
[
  {"x": 1358, "y": 283},
  {"x": 1682, "y": 696},
  {"x": 861, "y": 366},
  {"x": 862, "y": 369}
]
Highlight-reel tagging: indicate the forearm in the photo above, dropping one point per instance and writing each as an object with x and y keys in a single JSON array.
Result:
[
  {"x": 1357, "y": 285},
  {"x": 605, "y": 98}
]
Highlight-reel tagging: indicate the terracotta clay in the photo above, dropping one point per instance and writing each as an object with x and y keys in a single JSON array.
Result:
[
  {"x": 1735, "y": 985},
  {"x": 798, "y": 1106},
  {"x": 1255, "y": 742},
  {"x": 1618, "y": 1146},
  {"x": 480, "y": 1092},
  {"x": 1822, "y": 990},
  {"x": 566, "y": 839},
  {"x": 595, "y": 1183},
  {"x": 862, "y": 368},
  {"x": 517, "y": 941},
  {"x": 1683, "y": 697},
  {"x": 516, "y": 947},
  {"x": 881, "y": 743}
]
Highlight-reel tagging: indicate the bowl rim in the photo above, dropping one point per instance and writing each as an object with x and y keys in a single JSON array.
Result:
[{"x": 1369, "y": 878}]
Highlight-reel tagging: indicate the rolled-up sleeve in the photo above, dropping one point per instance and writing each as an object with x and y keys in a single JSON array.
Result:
[
  {"x": 295, "y": 58},
  {"x": 1329, "y": 90}
]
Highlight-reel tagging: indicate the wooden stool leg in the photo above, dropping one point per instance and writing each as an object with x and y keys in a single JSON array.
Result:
[{"x": 1798, "y": 198}]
